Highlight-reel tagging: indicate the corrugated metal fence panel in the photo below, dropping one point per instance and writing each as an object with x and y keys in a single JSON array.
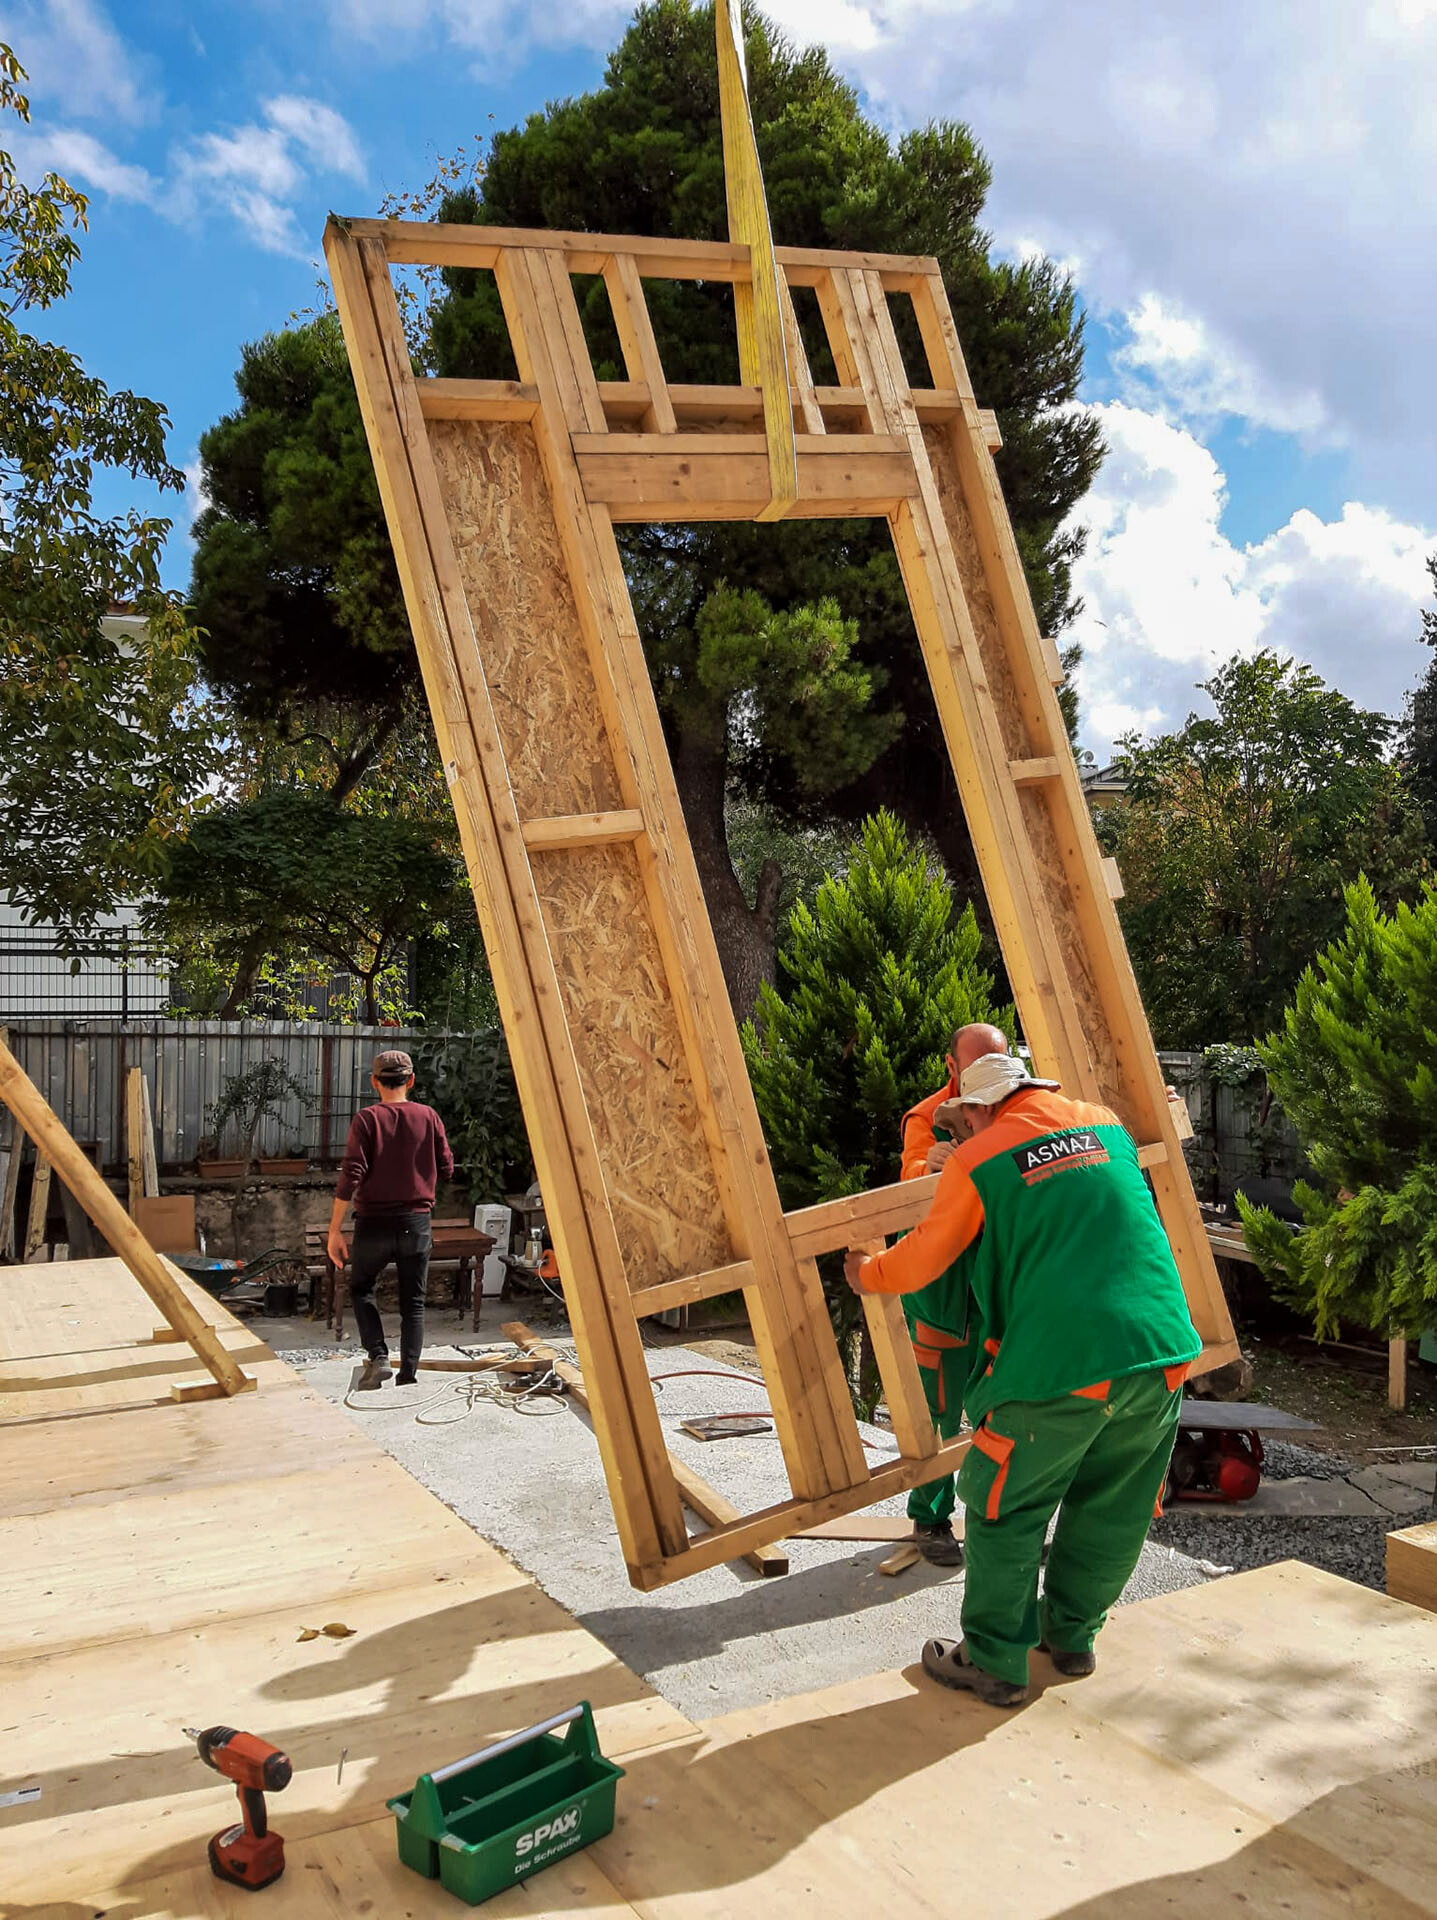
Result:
[
  {"x": 1230, "y": 1147},
  {"x": 81, "y": 1067}
]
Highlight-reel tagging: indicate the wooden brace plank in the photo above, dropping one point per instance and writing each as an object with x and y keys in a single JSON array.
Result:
[
  {"x": 685, "y": 1291},
  {"x": 663, "y": 485},
  {"x": 709, "y": 1504},
  {"x": 834, "y": 1225},
  {"x": 453, "y": 244},
  {"x": 44, "y": 1127},
  {"x": 637, "y": 342},
  {"x": 898, "y": 1370},
  {"x": 476, "y": 399},
  {"x": 783, "y": 1521},
  {"x": 1033, "y": 773},
  {"x": 39, "y": 1207},
  {"x": 558, "y": 831}
]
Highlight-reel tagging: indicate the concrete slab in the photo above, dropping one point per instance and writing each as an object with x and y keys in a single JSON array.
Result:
[
  {"x": 1421, "y": 1474},
  {"x": 531, "y": 1482},
  {"x": 1309, "y": 1499},
  {"x": 1396, "y": 1495}
]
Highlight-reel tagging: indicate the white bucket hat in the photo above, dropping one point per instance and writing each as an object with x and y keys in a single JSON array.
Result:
[{"x": 993, "y": 1076}]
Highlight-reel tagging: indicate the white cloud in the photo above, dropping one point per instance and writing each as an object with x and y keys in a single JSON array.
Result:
[
  {"x": 84, "y": 161},
  {"x": 1265, "y": 174},
  {"x": 318, "y": 131},
  {"x": 259, "y": 169},
  {"x": 1177, "y": 360},
  {"x": 1168, "y": 597},
  {"x": 75, "y": 57}
]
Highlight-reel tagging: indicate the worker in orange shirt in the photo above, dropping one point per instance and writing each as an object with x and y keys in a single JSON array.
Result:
[
  {"x": 937, "y": 1315},
  {"x": 1086, "y": 1339}
]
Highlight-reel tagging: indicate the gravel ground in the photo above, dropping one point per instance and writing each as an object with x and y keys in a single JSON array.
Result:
[
  {"x": 1354, "y": 1547},
  {"x": 1285, "y": 1460}
]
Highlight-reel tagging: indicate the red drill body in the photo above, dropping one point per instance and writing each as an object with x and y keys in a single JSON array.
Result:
[{"x": 247, "y": 1855}]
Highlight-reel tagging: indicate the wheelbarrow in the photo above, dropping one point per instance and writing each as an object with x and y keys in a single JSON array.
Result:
[{"x": 223, "y": 1278}]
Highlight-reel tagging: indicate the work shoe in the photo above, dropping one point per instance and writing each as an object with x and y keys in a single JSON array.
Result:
[
  {"x": 948, "y": 1662},
  {"x": 1072, "y": 1666},
  {"x": 402, "y": 1379},
  {"x": 937, "y": 1544},
  {"x": 372, "y": 1374}
]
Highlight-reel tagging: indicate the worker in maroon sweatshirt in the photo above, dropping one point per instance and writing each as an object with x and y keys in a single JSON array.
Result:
[{"x": 395, "y": 1156}]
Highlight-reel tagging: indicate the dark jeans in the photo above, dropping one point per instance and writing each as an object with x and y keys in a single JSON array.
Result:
[{"x": 406, "y": 1239}]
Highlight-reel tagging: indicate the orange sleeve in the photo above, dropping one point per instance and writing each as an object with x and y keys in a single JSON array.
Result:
[
  {"x": 950, "y": 1225},
  {"x": 917, "y": 1139}
]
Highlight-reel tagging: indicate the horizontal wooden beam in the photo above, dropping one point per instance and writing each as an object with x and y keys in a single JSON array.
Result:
[
  {"x": 562, "y": 830},
  {"x": 449, "y": 244},
  {"x": 1032, "y": 773},
  {"x": 668, "y": 446},
  {"x": 477, "y": 399},
  {"x": 789, "y": 1517},
  {"x": 992, "y": 432},
  {"x": 1153, "y": 1154},
  {"x": 929, "y": 403},
  {"x": 694, "y": 1286},
  {"x": 630, "y": 400},
  {"x": 1112, "y": 877},
  {"x": 836, "y": 1224},
  {"x": 645, "y": 478}
]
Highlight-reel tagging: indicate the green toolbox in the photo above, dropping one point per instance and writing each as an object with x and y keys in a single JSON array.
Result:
[{"x": 482, "y": 1823}]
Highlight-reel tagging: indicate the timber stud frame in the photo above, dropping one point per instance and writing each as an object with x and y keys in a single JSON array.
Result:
[{"x": 501, "y": 498}]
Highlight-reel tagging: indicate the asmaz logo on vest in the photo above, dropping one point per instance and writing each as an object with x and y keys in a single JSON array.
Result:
[
  {"x": 1080, "y": 1148},
  {"x": 557, "y": 1829}
]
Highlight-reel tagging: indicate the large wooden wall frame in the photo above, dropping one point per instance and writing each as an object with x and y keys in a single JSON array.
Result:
[{"x": 501, "y": 498}]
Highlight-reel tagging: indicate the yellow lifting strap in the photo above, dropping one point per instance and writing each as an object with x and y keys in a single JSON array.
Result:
[{"x": 759, "y": 302}]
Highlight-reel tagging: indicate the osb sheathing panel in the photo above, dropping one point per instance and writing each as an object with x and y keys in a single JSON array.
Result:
[
  {"x": 517, "y": 586},
  {"x": 1018, "y": 739},
  {"x": 625, "y": 1034}
]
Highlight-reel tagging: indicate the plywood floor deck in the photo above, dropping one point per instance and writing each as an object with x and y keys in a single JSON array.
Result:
[{"x": 1268, "y": 1741}]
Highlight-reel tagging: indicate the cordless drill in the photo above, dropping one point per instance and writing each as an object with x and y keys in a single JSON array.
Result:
[{"x": 248, "y": 1855}]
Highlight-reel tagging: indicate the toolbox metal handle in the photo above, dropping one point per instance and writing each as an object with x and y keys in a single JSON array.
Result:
[{"x": 509, "y": 1742}]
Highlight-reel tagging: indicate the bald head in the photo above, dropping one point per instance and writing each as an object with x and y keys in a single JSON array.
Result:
[{"x": 971, "y": 1043}]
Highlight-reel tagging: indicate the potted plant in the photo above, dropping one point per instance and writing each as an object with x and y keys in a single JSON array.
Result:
[
  {"x": 211, "y": 1164},
  {"x": 294, "y": 1159},
  {"x": 244, "y": 1103}
]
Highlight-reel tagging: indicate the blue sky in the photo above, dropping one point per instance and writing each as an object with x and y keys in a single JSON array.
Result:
[{"x": 1244, "y": 195}]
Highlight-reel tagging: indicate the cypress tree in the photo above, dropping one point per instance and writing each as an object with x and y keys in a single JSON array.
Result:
[
  {"x": 1355, "y": 1065},
  {"x": 874, "y": 977}
]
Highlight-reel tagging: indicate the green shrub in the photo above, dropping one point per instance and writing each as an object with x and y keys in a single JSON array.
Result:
[
  {"x": 873, "y": 980},
  {"x": 1355, "y": 1066}
]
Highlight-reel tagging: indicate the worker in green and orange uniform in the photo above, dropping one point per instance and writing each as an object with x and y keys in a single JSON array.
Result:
[
  {"x": 937, "y": 1316},
  {"x": 1088, "y": 1339}
]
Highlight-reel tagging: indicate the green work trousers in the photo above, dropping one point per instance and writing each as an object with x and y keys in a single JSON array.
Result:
[
  {"x": 943, "y": 1368},
  {"x": 1099, "y": 1463}
]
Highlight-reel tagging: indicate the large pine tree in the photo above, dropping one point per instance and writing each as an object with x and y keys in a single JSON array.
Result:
[{"x": 642, "y": 154}]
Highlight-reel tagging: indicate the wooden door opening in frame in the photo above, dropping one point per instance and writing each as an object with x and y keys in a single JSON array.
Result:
[{"x": 501, "y": 499}]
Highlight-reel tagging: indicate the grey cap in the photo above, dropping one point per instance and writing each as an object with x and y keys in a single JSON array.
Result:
[{"x": 393, "y": 1067}]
